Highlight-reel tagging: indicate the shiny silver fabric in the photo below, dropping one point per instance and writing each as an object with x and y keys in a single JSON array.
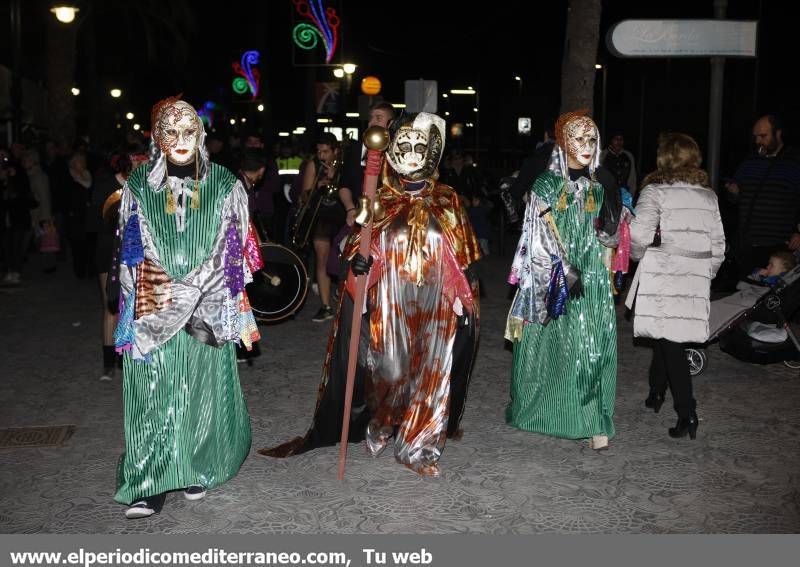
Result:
[
  {"x": 539, "y": 246},
  {"x": 409, "y": 361},
  {"x": 200, "y": 298}
]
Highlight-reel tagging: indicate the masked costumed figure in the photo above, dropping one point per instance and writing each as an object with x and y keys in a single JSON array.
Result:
[
  {"x": 420, "y": 324},
  {"x": 187, "y": 251},
  {"x": 562, "y": 321}
]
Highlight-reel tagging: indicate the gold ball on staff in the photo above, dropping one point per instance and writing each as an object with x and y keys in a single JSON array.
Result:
[{"x": 376, "y": 138}]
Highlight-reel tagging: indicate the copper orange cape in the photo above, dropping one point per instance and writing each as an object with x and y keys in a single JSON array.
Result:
[{"x": 442, "y": 204}]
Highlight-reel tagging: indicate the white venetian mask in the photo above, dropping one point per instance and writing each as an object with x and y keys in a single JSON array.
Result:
[
  {"x": 417, "y": 146},
  {"x": 408, "y": 151},
  {"x": 177, "y": 132},
  {"x": 581, "y": 140}
]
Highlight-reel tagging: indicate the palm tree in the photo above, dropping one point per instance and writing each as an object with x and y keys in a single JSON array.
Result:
[{"x": 580, "y": 55}]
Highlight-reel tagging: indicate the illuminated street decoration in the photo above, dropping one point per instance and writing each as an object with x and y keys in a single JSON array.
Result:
[
  {"x": 324, "y": 25},
  {"x": 206, "y": 113},
  {"x": 248, "y": 74},
  {"x": 370, "y": 85}
]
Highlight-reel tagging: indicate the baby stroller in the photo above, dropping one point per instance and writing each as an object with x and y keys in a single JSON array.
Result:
[{"x": 752, "y": 324}]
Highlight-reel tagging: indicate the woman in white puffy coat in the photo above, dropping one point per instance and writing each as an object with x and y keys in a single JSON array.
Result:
[{"x": 670, "y": 291}]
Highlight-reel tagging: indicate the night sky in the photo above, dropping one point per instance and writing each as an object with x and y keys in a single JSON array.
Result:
[{"x": 483, "y": 47}]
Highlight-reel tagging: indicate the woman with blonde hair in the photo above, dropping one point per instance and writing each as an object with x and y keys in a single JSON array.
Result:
[{"x": 678, "y": 239}]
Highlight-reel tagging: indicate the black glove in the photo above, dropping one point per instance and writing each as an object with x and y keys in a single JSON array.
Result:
[
  {"x": 611, "y": 209},
  {"x": 360, "y": 265},
  {"x": 574, "y": 283}
]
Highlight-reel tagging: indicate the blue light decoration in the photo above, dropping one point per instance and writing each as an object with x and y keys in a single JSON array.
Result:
[
  {"x": 249, "y": 76},
  {"x": 206, "y": 113},
  {"x": 325, "y": 27}
]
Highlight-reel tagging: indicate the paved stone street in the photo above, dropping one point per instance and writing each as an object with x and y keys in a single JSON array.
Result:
[{"x": 739, "y": 476}]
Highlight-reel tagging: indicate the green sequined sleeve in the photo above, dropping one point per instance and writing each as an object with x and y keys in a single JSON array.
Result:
[{"x": 548, "y": 187}]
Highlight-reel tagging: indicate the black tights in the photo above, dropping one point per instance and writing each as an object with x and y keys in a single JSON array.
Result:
[{"x": 669, "y": 366}]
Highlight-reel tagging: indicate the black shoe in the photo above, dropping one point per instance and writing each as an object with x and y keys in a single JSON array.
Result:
[
  {"x": 146, "y": 507},
  {"x": 654, "y": 401},
  {"x": 325, "y": 313},
  {"x": 194, "y": 492},
  {"x": 685, "y": 425}
]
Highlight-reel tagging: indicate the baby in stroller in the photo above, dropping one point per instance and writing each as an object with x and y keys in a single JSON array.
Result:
[
  {"x": 779, "y": 264},
  {"x": 752, "y": 324}
]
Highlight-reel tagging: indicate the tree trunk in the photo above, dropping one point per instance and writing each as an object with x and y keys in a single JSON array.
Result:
[
  {"x": 580, "y": 55},
  {"x": 61, "y": 43}
]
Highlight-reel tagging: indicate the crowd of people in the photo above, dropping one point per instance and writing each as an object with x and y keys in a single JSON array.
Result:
[{"x": 172, "y": 232}]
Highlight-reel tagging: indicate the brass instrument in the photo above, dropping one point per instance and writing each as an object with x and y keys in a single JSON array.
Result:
[{"x": 306, "y": 218}]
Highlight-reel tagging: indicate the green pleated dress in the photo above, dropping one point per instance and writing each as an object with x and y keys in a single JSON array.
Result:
[
  {"x": 186, "y": 421},
  {"x": 564, "y": 374}
]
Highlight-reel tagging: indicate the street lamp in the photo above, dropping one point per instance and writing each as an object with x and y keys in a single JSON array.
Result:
[
  {"x": 65, "y": 14},
  {"x": 519, "y": 80},
  {"x": 116, "y": 93},
  {"x": 344, "y": 72},
  {"x": 75, "y": 91},
  {"x": 129, "y": 116}
]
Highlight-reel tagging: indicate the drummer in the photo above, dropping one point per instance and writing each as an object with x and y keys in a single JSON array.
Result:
[
  {"x": 251, "y": 171},
  {"x": 322, "y": 172}
]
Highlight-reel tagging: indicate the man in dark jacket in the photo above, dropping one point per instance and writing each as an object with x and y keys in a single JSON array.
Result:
[{"x": 766, "y": 189}]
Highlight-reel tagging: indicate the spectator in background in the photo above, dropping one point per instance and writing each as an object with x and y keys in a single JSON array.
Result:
[
  {"x": 780, "y": 263},
  {"x": 533, "y": 166},
  {"x": 620, "y": 163},
  {"x": 261, "y": 196},
  {"x": 464, "y": 179},
  {"x": 766, "y": 190},
  {"x": 40, "y": 191},
  {"x": 16, "y": 203},
  {"x": 354, "y": 161},
  {"x": 57, "y": 169},
  {"x": 78, "y": 190},
  {"x": 547, "y": 140},
  {"x": 104, "y": 215},
  {"x": 217, "y": 152},
  {"x": 40, "y": 187},
  {"x": 672, "y": 283}
]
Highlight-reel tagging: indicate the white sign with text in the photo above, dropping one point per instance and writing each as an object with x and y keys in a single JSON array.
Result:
[{"x": 683, "y": 38}]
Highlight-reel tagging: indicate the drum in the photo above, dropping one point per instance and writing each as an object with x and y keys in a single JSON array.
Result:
[{"x": 279, "y": 289}]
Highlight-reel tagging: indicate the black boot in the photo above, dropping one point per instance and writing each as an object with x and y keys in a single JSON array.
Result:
[
  {"x": 654, "y": 401},
  {"x": 109, "y": 362},
  {"x": 685, "y": 425}
]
